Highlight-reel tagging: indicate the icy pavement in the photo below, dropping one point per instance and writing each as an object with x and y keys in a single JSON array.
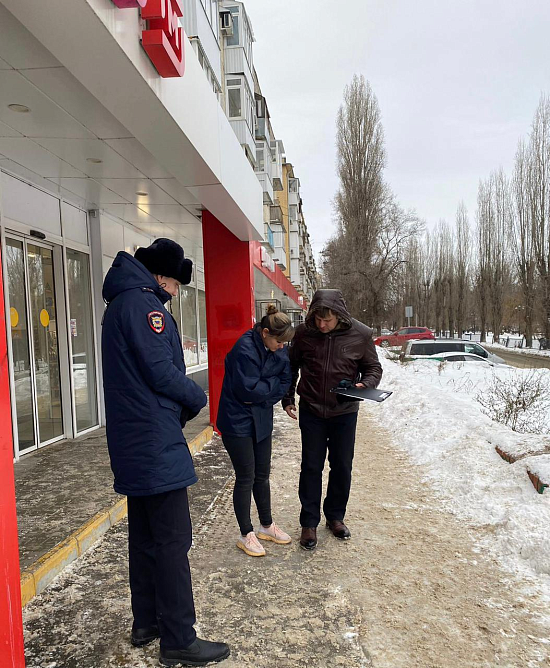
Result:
[{"x": 412, "y": 589}]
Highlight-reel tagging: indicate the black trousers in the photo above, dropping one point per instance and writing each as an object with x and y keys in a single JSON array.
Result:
[
  {"x": 251, "y": 460},
  {"x": 319, "y": 435},
  {"x": 159, "y": 538}
]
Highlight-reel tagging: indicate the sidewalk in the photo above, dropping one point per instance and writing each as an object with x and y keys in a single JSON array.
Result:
[
  {"x": 411, "y": 589},
  {"x": 64, "y": 487}
]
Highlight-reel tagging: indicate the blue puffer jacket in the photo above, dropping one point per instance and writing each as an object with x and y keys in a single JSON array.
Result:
[
  {"x": 255, "y": 379},
  {"x": 145, "y": 385}
]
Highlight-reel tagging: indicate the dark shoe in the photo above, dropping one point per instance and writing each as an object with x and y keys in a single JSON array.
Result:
[
  {"x": 308, "y": 539},
  {"x": 142, "y": 637},
  {"x": 199, "y": 653},
  {"x": 339, "y": 529}
]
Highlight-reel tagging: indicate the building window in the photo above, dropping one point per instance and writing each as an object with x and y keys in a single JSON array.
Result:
[
  {"x": 82, "y": 339},
  {"x": 203, "y": 349},
  {"x": 234, "y": 102},
  {"x": 233, "y": 40},
  {"x": 260, "y": 160}
]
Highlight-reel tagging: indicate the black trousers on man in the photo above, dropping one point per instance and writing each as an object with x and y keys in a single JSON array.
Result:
[
  {"x": 335, "y": 435},
  {"x": 159, "y": 538}
]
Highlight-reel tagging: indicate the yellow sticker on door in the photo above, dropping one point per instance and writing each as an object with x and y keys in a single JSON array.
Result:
[
  {"x": 14, "y": 316},
  {"x": 44, "y": 317}
]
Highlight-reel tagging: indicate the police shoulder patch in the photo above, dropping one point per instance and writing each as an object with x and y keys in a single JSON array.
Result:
[{"x": 156, "y": 321}]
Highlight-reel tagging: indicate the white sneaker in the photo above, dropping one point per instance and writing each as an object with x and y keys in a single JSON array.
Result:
[
  {"x": 275, "y": 534},
  {"x": 251, "y": 545}
]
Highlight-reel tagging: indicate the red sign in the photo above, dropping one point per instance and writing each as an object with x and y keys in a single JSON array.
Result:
[
  {"x": 126, "y": 4},
  {"x": 163, "y": 38}
]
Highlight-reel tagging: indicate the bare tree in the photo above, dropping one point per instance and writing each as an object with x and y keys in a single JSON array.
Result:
[
  {"x": 522, "y": 236},
  {"x": 366, "y": 254},
  {"x": 462, "y": 265},
  {"x": 483, "y": 239},
  {"x": 540, "y": 204}
]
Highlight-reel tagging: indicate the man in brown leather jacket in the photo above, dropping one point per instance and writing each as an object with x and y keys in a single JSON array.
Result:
[{"x": 328, "y": 348}]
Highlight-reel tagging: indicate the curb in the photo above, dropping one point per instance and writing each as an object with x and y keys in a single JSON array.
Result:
[{"x": 36, "y": 577}]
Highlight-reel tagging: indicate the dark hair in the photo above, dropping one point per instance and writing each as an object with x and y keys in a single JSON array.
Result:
[
  {"x": 278, "y": 324},
  {"x": 324, "y": 312}
]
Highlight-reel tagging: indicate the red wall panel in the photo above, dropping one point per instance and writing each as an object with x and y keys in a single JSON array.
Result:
[
  {"x": 229, "y": 282},
  {"x": 11, "y": 625}
]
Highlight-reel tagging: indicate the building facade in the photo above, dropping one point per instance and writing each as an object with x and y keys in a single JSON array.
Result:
[{"x": 166, "y": 135}]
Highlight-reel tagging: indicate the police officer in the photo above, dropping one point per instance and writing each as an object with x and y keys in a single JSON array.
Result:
[{"x": 147, "y": 400}]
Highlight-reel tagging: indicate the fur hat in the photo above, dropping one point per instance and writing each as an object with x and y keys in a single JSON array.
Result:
[{"x": 165, "y": 257}]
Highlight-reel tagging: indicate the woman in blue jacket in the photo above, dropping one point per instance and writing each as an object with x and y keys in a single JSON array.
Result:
[{"x": 257, "y": 376}]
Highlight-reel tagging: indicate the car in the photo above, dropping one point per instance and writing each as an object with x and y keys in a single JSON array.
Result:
[
  {"x": 420, "y": 349},
  {"x": 455, "y": 357},
  {"x": 385, "y": 332},
  {"x": 399, "y": 337}
]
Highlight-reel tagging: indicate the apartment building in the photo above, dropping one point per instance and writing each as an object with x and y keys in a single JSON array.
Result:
[{"x": 227, "y": 57}]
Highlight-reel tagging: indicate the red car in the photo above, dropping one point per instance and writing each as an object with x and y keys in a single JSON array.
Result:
[{"x": 404, "y": 334}]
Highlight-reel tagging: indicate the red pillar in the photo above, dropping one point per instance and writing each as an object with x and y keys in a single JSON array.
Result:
[
  {"x": 11, "y": 625},
  {"x": 229, "y": 282}
]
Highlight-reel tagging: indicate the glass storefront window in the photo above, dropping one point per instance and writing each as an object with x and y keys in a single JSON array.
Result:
[
  {"x": 203, "y": 349},
  {"x": 82, "y": 341},
  {"x": 45, "y": 342},
  {"x": 15, "y": 264},
  {"x": 189, "y": 325}
]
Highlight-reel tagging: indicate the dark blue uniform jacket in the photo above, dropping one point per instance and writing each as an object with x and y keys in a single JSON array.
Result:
[
  {"x": 145, "y": 385},
  {"x": 255, "y": 379}
]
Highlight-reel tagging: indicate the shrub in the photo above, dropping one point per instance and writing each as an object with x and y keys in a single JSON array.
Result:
[{"x": 520, "y": 401}]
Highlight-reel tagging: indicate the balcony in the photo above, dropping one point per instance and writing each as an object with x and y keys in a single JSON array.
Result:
[
  {"x": 267, "y": 187},
  {"x": 269, "y": 240},
  {"x": 276, "y": 214},
  {"x": 279, "y": 257},
  {"x": 277, "y": 168},
  {"x": 293, "y": 198},
  {"x": 237, "y": 63}
]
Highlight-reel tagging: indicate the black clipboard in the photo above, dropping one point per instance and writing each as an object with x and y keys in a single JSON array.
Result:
[{"x": 361, "y": 393}]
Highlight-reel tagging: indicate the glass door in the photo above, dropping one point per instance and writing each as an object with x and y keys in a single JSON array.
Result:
[
  {"x": 34, "y": 343},
  {"x": 22, "y": 378},
  {"x": 82, "y": 340}
]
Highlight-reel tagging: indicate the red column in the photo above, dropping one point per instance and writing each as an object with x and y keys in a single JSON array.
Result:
[
  {"x": 11, "y": 625},
  {"x": 229, "y": 282}
]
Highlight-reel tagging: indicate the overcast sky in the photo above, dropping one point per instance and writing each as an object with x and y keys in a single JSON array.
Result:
[{"x": 458, "y": 82}]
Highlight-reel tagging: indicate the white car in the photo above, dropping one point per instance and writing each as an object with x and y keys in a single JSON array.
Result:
[
  {"x": 431, "y": 348},
  {"x": 459, "y": 357}
]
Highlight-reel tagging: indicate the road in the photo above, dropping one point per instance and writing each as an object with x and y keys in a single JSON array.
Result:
[{"x": 521, "y": 360}]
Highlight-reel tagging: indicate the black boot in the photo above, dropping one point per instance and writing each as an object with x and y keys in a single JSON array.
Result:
[
  {"x": 339, "y": 529},
  {"x": 199, "y": 653},
  {"x": 142, "y": 637},
  {"x": 308, "y": 539}
]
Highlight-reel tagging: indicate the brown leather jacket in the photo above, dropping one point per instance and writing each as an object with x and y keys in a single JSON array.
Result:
[{"x": 323, "y": 360}]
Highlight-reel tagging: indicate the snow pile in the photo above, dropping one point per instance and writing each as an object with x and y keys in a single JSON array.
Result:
[{"x": 434, "y": 415}]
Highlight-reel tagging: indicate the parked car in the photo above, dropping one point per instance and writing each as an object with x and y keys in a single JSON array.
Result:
[
  {"x": 404, "y": 334},
  {"x": 456, "y": 357},
  {"x": 385, "y": 332},
  {"x": 420, "y": 349}
]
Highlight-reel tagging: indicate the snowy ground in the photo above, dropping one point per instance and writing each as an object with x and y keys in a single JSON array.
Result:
[
  {"x": 413, "y": 588},
  {"x": 435, "y": 417}
]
